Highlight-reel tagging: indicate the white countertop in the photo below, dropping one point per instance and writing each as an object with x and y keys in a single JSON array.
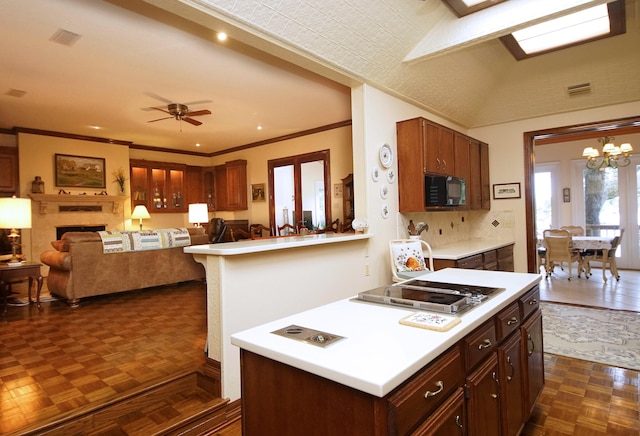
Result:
[
  {"x": 378, "y": 353},
  {"x": 247, "y": 246},
  {"x": 461, "y": 249}
]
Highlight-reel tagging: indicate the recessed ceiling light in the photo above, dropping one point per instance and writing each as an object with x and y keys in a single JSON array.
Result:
[
  {"x": 222, "y": 36},
  {"x": 95, "y": 127},
  {"x": 259, "y": 127},
  {"x": 198, "y": 145}
]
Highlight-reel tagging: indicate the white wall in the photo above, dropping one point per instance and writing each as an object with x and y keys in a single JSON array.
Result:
[{"x": 506, "y": 157}]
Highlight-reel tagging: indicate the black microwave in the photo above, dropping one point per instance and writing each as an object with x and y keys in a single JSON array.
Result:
[{"x": 444, "y": 191}]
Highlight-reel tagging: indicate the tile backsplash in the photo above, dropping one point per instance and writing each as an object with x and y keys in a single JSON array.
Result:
[{"x": 448, "y": 227}]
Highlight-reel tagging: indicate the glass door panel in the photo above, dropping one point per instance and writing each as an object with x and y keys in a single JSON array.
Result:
[
  {"x": 284, "y": 196},
  {"x": 313, "y": 204}
]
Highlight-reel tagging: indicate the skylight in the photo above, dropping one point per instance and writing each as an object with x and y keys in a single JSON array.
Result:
[{"x": 570, "y": 29}]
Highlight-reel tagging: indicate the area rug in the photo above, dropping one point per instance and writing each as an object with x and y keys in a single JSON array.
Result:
[{"x": 611, "y": 337}]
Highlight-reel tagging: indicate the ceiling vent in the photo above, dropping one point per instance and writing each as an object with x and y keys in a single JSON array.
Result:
[
  {"x": 65, "y": 37},
  {"x": 15, "y": 93},
  {"x": 582, "y": 88}
]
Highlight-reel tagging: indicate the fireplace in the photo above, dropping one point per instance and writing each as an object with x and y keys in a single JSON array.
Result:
[{"x": 61, "y": 230}]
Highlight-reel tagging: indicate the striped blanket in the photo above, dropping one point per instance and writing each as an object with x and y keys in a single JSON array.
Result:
[{"x": 123, "y": 241}]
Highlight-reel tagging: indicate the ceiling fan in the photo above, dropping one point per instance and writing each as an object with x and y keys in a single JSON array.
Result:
[{"x": 181, "y": 112}]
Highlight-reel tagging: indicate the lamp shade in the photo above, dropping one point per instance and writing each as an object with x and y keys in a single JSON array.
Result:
[
  {"x": 140, "y": 212},
  {"x": 15, "y": 213},
  {"x": 198, "y": 213}
]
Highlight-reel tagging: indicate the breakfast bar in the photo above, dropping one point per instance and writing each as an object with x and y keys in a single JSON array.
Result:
[{"x": 251, "y": 282}]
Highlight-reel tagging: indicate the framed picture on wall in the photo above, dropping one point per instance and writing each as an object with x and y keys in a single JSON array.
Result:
[
  {"x": 506, "y": 190},
  {"x": 79, "y": 171},
  {"x": 257, "y": 192}
]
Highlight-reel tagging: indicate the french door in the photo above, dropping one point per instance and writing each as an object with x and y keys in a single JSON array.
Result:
[{"x": 607, "y": 202}]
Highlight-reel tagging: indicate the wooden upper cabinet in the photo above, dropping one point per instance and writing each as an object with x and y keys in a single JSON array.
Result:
[
  {"x": 9, "y": 171},
  {"x": 438, "y": 149},
  {"x": 425, "y": 147},
  {"x": 194, "y": 185},
  {"x": 160, "y": 186},
  {"x": 230, "y": 182}
]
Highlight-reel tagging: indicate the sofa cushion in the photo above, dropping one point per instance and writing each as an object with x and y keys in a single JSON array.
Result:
[{"x": 123, "y": 241}]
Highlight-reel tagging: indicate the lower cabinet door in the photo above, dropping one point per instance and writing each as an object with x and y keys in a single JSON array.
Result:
[
  {"x": 448, "y": 419},
  {"x": 509, "y": 357},
  {"x": 533, "y": 361},
  {"x": 483, "y": 395}
]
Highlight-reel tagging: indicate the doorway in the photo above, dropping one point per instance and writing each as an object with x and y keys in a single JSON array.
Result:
[
  {"x": 558, "y": 135},
  {"x": 299, "y": 186}
]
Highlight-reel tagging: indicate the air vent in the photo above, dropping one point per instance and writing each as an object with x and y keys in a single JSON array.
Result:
[
  {"x": 582, "y": 88},
  {"x": 15, "y": 93},
  {"x": 65, "y": 37}
]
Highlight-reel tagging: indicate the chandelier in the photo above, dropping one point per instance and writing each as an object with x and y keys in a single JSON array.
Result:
[{"x": 611, "y": 155}]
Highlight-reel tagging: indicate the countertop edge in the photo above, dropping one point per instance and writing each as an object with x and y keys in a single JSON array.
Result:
[
  {"x": 461, "y": 250},
  {"x": 271, "y": 244}
]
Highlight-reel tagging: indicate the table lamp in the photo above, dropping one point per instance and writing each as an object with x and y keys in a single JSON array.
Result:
[
  {"x": 198, "y": 214},
  {"x": 15, "y": 213},
  {"x": 140, "y": 212}
]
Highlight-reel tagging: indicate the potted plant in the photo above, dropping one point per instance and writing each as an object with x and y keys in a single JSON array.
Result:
[{"x": 120, "y": 179}]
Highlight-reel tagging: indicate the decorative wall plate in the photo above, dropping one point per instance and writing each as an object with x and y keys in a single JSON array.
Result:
[
  {"x": 375, "y": 174},
  {"x": 384, "y": 191},
  {"x": 391, "y": 175},
  {"x": 386, "y": 156},
  {"x": 384, "y": 211}
]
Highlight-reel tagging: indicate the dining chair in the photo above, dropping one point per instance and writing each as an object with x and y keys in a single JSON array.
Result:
[
  {"x": 408, "y": 258},
  {"x": 574, "y": 230},
  {"x": 288, "y": 229},
  {"x": 589, "y": 256},
  {"x": 239, "y": 234},
  {"x": 217, "y": 230},
  {"x": 259, "y": 230},
  {"x": 558, "y": 245}
]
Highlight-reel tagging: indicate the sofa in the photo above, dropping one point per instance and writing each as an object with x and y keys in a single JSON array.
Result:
[{"x": 82, "y": 266}]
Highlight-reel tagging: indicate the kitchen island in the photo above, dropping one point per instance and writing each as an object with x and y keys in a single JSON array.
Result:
[
  {"x": 374, "y": 380},
  {"x": 254, "y": 281}
]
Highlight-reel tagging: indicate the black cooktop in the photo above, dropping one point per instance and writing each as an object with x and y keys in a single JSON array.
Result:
[{"x": 456, "y": 287}]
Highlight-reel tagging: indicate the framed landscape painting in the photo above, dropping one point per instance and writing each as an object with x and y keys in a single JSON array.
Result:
[{"x": 79, "y": 171}]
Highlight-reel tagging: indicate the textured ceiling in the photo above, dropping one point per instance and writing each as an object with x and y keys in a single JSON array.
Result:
[{"x": 132, "y": 51}]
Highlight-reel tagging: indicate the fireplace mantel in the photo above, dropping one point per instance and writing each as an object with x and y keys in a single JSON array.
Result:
[{"x": 69, "y": 199}]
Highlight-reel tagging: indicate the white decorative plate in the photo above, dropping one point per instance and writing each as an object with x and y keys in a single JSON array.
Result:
[
  {"x": 386, "y": 156},
  {"x": 391, "y": 175},
  {"x": 384, "y": 211},
  {"x": 375, "y": 174},
  {"x": 384, "y": 191}
]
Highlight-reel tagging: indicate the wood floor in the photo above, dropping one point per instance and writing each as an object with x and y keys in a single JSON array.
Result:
[{"x": 59, "y": 360}]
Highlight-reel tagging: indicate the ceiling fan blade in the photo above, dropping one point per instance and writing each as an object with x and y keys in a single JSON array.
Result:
[
  {"x": 161, "y": 110},
  {"x": 192, "y": 121},
  {"x": 159, "y": 119},
  {"x": 157, "y": 97},
  {"x": 197, "y": 102},
  {"x": 196, "y": 113}
]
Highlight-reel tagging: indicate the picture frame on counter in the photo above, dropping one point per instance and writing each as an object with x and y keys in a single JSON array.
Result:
[{"x": 506, "y": 190}]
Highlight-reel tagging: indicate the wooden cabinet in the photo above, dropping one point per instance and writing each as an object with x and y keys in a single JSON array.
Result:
[
  {"x": 9, "y": 172},
  {"x": 194, "y": 185},
  {"x": 486, "y": 384},
  {"x": 230, "y": 186},
  {"x": 500, "y": 260},
  {"x": 425, "y": 147},
  {"x": 159, "y": 186},
  {"x": 348, "y": 207}
]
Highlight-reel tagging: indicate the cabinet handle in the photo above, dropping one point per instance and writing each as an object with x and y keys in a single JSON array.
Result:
[
  {"x": 533, "y": 345},
  {"x": 513, "y": 370},
  {"x": 485, "y": 344},
  {"x": 440, "y": 386},
  {"x": 495, "y": 379},
  {"x": 533, "y": 302},
  {"x": 512, "y": 321},
  {"x": 459, "y": 421},
  {"x": 444, "y": 164}
]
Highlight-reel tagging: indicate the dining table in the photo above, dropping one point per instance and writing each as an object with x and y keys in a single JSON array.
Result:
[{"x": 593, "y": 243}]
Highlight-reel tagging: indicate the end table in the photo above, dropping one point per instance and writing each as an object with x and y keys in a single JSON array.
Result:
[{"x": 27, "y": 269}]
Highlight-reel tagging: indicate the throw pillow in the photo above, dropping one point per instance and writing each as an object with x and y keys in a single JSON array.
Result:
[{"x": 408, "y": 256}]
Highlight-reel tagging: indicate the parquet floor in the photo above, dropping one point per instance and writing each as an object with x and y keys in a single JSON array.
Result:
[{"x": 60, "y": 359}]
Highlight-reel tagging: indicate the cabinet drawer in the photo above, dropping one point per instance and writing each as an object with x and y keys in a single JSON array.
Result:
[
  {"x": 508, "y": 320},
  {"x": 490, "y": 256},
  {"x": 529, "y": 302},
  {"x": 479, "y": 344},
  {"x": 409, "y": 404},
  {"x": 505, "y": 252},
  {"x": 471, "y": 262}
]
